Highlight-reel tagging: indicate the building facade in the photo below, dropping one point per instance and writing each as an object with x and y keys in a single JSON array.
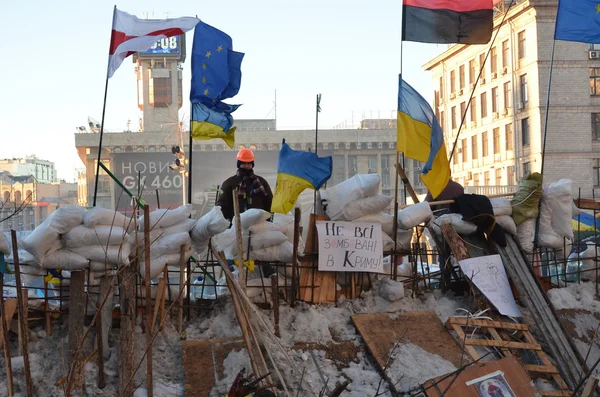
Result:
[
  {"x": 501, "y": 138},
  {"x": 44, "y": 171}
]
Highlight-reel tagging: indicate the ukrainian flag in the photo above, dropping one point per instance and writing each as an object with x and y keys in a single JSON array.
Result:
[
  {"x": 420, "y": 137},
  {"x": 210, "y": 124},
  {"x": 297, "y": 171},
  {"x": 585, "y": 222}
]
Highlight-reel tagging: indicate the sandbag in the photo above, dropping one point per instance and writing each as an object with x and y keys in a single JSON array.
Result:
[
  {"x": 547, "y": 237},
  {"x": 278, "y": 253},
  {"x": 574, "y": 210},
  {"x": 365, "y": 206},
  {"x": 252, "y": 217},
  {"x": 501, "y": 206},
  {"x": 526, "y": 201},
  {"x": 166, "y": 217},
  {"x": 525, "y": 235},
  {"x": 404, "y": 239},
  {"x": 414, "y": 215},
  {"x": 4, "y": 245},
  {"x": 64, "y": 259},
  {"x": 223, "y": 240},
  {"x": 267, "y": 239},
  {"x": 101, "y": 267},
  {"x": 155, "y": 234},
  {"x": 386, "y": 220},
  {"x": 169, "y": 244},
  {"x": 456, "y": 220},
  {"x": 82, "y": 236},
  {"x": 507, "y": 223},
  {"x": 562, "y": 207},
  {"x": 335, "y": 198},
  {"x": 182, "y": 227},
  {"x": 66, "y": 218},
  {"x": 115, "y": 254},
  {"x": 208, "y": 226},
  {"x": 158, "y": 264},
  {"x": 43, "y": 241},
  {"x": 102, "y": 216}
]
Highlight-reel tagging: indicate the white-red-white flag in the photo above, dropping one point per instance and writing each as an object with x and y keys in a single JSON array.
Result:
[{"x": 131, "y": 34}]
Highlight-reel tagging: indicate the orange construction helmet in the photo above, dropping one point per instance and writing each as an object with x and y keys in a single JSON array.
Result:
[{"x": 245, "y": 156}]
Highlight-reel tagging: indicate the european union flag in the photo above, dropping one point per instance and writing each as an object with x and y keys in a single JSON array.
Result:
[
  {"x": 578, "y": 20},
  {"x": 297, "y": 171}
]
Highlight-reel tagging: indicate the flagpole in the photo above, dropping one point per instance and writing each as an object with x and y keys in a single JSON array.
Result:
[
  {"x": 189, "y": 181},
  {"x": 103, "y": 114},
  {"x": 547, "y": 106},
  {"x": 318, "y": 109}
]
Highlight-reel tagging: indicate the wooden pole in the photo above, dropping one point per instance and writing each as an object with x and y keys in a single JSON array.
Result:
[
  {"x": 23, "y": 329},
  {"x": 147, "y": 281},
  {"x": 47, "y": 310},
  {"x": 297, "y": 215},
  {"x": 5, "y": 324},
  {"x": 406, "y": 183},
  {"x": 275, "y": 299},
  {"x": 239, "y": 239},
  {"x": 103, "y": 325},
  {"x": 76, "y": 324},
  {"x": 181, "y": 281},
  {"x": 163, "y": 298}
]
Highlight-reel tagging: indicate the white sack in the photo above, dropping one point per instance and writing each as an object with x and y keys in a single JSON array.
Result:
[
  {"x": 574, "y": 210},
  {"x": 278, "y": 253},
  {"x": 64, "y": 259},
  {"x": 82, "y": 236},
  {"x": 208, "y": 226},
  {"x": 501, "y": 206},
  {"x": 507, "y": 223},
  {"x": 562, "y": 207},
  {"x": 414, "y": 215},
  {"x": 404, "y": 239},
  {"x": 359, "y": 186},
  {"x": 155, "y": 234},
  {"x": 252, "y": 217},
  {"x": 169, "y": 244},
  {"x": 182, "y": 227},
  {"x": 116, "y": 254},
  {"x": 525, "y": 235},
  {"x": 102, "y": 216},
  {"x": 43, "y": 241},
  {"x": 267, "y": 239},
  {"x": 158, "y": 264},
  {"x": 548, "y": 237},
  {"x": 101, "y": 267},
  {"x": 386, "y": 220},
  {"x": 66, "y": 218},
  {"x": 166, "y": 217},
  {"x": 456, "y": 220},
  {"x": 223, "y": 240},
  {"x": 365, "y": 206},
  {"x": 4, "y": 245}
]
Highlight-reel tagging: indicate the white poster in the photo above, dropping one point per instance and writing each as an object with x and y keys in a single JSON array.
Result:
[
  {"x": 350, "y": 246},
  {"x": 489, "y": 276}
]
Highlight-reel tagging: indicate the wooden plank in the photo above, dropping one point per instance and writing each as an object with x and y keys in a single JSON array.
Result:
[
  {"x": 307, "y": 292},
  {"x": 501, "y": 343},
  {"x": 10, "y": 306},
  {"x": 5, "y": 320},
  {"x": 469, "y": 349},
  {"x": 127, "y": 282},
  {"x": 555, "y": 393},
  {"x": 587, "y": 204},
  {"x": 590, "y": 385},
  {"x": 487, "y": 323},
  {"x": 542, "y": 369},
  {"x": 381, "y": 330},
  {"x": 76, "y": 323},
  {"x": 203, "y": 363},
  {"x": 148, "y": 312}
]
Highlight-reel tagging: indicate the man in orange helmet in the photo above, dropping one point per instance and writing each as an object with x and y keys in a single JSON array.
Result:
[{"x": 253, "y": 190}]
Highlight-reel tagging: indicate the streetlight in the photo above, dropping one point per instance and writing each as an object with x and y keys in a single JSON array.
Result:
[{"x": 180, "y": 164}]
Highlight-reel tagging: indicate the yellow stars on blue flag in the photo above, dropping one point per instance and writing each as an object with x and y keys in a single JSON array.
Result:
[{"x": 597, "y": 8}]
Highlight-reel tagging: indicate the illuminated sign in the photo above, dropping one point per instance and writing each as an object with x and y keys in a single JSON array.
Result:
[{"x": 166, "y": 46}]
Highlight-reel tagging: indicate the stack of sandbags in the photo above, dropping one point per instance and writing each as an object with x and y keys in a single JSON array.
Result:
[
  {"x": 461, "y": 226},
  {"x": 334, "y": 199},
  {"x": 226, "y": 241},
  {"x": 169, "y": 231},
  {"x": 503, "y": 211},
  {"x": 102, "y": 239},
  {"x": 273, "y": 241},
  {"x": 208, "y": 226},
  {"x": 44, "y": 243}
]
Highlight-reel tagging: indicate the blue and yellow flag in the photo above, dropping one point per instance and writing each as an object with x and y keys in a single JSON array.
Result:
[
  {"x": 297, "y": 171},
  {"x": 420, "y": 137},
  {"x": 585, "y": 222},
  {"x": 578, "y": 20},
  {"x": 216, "y": 75}
]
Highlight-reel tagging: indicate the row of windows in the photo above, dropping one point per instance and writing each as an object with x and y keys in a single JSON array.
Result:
[
  {"x": 480, "y": 63},
  {"x": 483, "y": 149},
  {"x": 485, "y": 178},
  {"x": 17, "y": 196}
]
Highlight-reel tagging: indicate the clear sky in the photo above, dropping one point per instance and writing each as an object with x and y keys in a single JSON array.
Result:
[{"x": 55, "y": 54}]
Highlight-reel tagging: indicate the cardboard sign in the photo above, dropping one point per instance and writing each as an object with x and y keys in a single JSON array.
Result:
[
  {"x": 350, "y": 246},
  {"x": 488, "y": 274}
]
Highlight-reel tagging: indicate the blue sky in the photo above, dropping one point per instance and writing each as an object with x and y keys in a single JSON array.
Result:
[{"x": 54, "y": 65}]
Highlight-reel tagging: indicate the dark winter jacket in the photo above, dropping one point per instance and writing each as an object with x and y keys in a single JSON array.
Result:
[{"x": 254, "y": 199}]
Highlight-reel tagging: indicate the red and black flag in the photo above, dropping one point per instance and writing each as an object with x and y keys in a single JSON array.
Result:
[{"x": 448, "y": 21}]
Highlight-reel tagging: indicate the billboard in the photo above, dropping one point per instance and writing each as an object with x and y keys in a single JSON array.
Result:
[{"x": 165, "y": 47}]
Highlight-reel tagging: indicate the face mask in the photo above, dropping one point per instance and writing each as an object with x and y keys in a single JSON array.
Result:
[{"x": 245, "y": 171}]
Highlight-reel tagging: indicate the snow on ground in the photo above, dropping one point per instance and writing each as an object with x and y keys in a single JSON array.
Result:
[{"x": 320, "y": 324}]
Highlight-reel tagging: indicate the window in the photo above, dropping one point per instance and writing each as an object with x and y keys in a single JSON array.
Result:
[
  {"x": 484, "y": 143},
  {"x": 525, "y": 131},
  {"x": 474, "y": 110},
  {"x": 509, "y": 136},
  {"x": 159, "y": 90},
  {"x": 498, "y": 176},
  {"x": 455, "y": 158},
  {"x": 472, "y": 71},
  {"x": 484, "y": 105},
  {"x": 510, "y": 175},
  {"x": 463, "y": 149},
  {"x": 152, "y": 149},
  {"x": 526, "y": 169},
  {"x": 117, "y": 150},
  {"x": 494, "y": 56},
  {"x": 522, "y": 44},
  {"x": 452, "y": 81},
  {"x": 442, "y": 120},
  {"x": 475, "y": 178},
  {"x": 595, "y": 81},
  {"x": 505, "y": 54},
  {"x": 461, "y": 76},
  {"x": 385, "y": 171},
  {"x": 372, "y": 164},
  {"x": 523, "y": 84},
  {"x": 596, "y": 126},
  {"x": 453, "y": 116},
  {"x": 441, "y": 87},
  {"x": 463, "y": 109},
  {"x": 495, "y": 100},
  {"x": 338, "y": 166},
  {"x": 596, "y": 172},
  {"x": 352, "y": 166},
  {"x": 486, "y": 178},
  {"x": 139, "y": 149},
  {"x": 496, "y": 141},
  {"x": 482, "y": 65},
  {"x": 474, "y": 148},
  {"x": 507, "y": 98}
]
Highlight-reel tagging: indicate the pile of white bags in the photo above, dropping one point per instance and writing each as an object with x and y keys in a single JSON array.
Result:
[
  {"x": 414, "y": 215},
  {"x": 208, "y": 226},
  {"x": 350, "y": 191}
]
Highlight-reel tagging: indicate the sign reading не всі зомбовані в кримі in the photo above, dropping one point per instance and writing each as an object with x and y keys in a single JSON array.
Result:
[{"x": 350, "y": 246}]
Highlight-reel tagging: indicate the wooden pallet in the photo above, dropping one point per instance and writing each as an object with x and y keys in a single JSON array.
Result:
[{"x": 497, "y": 335}]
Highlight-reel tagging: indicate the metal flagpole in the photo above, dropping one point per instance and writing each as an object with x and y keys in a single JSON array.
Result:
[
  {"x": 318, "y": 110},
  {"x": 103, "y": 113},
  {"x": 189, "y": 168}
]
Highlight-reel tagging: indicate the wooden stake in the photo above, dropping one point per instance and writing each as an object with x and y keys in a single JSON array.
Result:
[
  {"x": 297, "y": 215},
  {"x": 23, "y": 329},
  {"x": 76, "y": 323},
  {"x": 275, "y": 300},
  {"x": 590, "y": 386},
  {"x": 147, "y": 281},
  {"x": 406, "y": 183},
  {"x": 127, "y": 281},
  {"x": 5, "y": 324},
  {"x": 239, "y": 240},
  {"x": 47, "y": 310},
  {"x": 181, "y": 281},
  {"x": 163, "y": 298},
  {"x": 103, "y": 325}
]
